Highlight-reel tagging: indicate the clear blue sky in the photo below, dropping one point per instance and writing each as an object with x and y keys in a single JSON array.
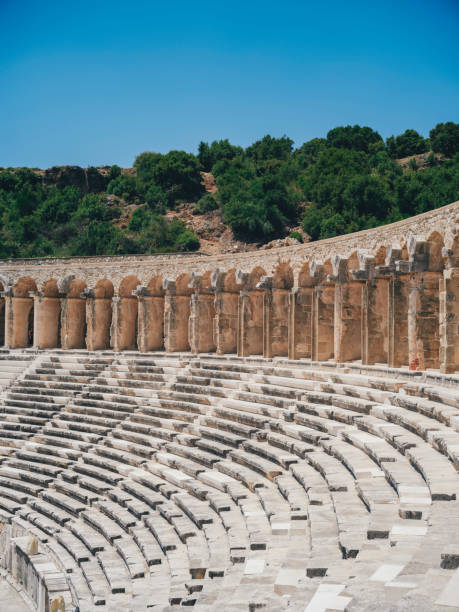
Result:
[{"x": 98, "y": 82}]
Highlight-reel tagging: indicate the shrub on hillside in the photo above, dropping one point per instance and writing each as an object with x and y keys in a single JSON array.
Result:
[
  {"x": 445, "y": 138},
  {"x": 205, "y": 204}
]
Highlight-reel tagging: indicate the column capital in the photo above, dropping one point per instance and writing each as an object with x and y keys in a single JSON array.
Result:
[
  {"x": 265, "y": 282},
  {"x": 169, "y": 285},
  {"x": 140, "y": 291},
  {"x": 87, "y": 293}
]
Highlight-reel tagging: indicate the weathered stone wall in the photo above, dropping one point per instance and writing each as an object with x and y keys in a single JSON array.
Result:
[{"x": 388, "y": 294}]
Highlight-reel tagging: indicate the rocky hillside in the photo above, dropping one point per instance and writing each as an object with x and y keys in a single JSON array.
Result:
[
  {"x": 214, "y": 235},
  {"x": 228, "y": 198}
]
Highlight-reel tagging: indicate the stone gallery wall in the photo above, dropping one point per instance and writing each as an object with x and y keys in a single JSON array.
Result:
[{"x": 386, "y": 295}]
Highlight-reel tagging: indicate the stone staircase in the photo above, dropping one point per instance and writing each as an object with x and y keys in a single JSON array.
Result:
[{"x": 156, "y": 481}]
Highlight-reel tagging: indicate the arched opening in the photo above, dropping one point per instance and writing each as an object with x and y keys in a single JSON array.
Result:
[
  {"x": 73, "y": 316},
  {"x": 127, "y": 316},
  {"x": 23, "y": 313},
  {"x": 99, "y": 315}
]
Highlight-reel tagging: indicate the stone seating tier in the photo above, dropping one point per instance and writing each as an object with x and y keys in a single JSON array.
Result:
[{"x": 167, "y": 481}]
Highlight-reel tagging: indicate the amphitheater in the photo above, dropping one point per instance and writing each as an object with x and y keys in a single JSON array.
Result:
[{"x": 271, "y": 430}]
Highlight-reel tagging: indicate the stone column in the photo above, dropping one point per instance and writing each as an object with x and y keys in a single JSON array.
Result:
[
  {"x": 323, "y": 317},
  {"x": 423, "y": 321},
  {"x": 347, "y": 314},
  {"x": 300, "y": 318},
  {"x": 123, "y": 331},
  {"x": 176, "y": 315},
  {"x": 243, "y": 324},
  {"x": 46, "y": 321},
  {"x": 2, "y": 321},
  {"x": 225, "y": 321},
  {"x": 202, "y": 313},
  {"x": 8, "y": 318},
  {"x": 250, "y": 318},
  {"x": 73, "y": 323},
  {"x": 375, "y": 332},
  {"x": 398, "y": 322},
  {"x": 375, "y": 296},
  {"x": 423, "y": 307},
  {"x": 449, "y": 314},
  {"x": 275, "y": 318},
  {"x": 98, "y": 321},
  {"x": 266, "y": 283},
  {"x": 397, "y": 307},
  {"x": 150, "y": 332},
  {"x": 348, "y": 326}
]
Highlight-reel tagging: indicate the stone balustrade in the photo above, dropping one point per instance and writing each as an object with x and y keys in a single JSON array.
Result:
[{"x": 388, "y": 295}]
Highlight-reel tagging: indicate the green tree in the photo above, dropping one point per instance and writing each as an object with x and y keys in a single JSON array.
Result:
[
  {"x": 408, "y": 143},
  {"x": 205, "y": 204},
  {"x": 354, "y": 137},
  {"x": 444, "y": 138},
  {"x": 156, "y": 198},
  {"x": 177, "y": 173},
  {"x": 270, "y": 148},
  {"x": 208, "y": 155},
  {"x": 124, "y": 186}
]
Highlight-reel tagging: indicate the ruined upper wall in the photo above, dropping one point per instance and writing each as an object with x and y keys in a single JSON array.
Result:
[{"x": 442, "y": 223}]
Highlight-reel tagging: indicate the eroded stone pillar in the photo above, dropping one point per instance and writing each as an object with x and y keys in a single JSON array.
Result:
[
  {"x": 2, "y": 321},
  {"x": 19, "y": 321},
  {"x": 423, "y": 306},
  {"x": 347, "y": 313},
  {"x": 449, "y": 321},
  {"x": 225, "y": 321},
  {"x": 423, "y": 321},
  {"x": 202, "y": 314},
  {"x": 300, "y": 314},
  {"x": 250, "y": 323},
  {"x": 397, "y": 306},
  {"x": 123, "y": 332},
  {"x": 323, "y": 321},
  {"x": 176, "y": 316},
  {"x": 348, "y": 326},
  {"x": 98, "y": 321},
  {"x": 375, "y": 323},
  {"x": 398, "y": 322},
  {"x": 374, "y": 320},
  {"x": 275, "y": 318},
  {"x": 46, "y": 324},
  {"x": 150, "y": 333},
  {"x": 73, "y": 323}
]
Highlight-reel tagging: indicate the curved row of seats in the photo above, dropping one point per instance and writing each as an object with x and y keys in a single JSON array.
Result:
[{"x": 162, "y": 481}]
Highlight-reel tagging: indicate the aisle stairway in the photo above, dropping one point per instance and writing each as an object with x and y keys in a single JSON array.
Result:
[{"x": 158, "y": 481}]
